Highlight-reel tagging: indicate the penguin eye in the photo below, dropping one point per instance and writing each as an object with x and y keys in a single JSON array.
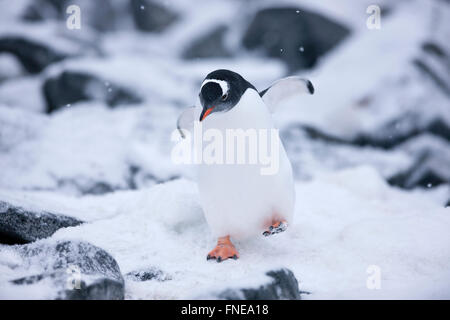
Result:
[{"x": 224, "y": 97}]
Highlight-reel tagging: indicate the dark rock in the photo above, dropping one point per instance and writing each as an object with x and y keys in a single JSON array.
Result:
[
  {"x": 434, "y": 49},
  {"x": 18, "y": 225},
  {"x": 316, "y": 134},
  {"x": 432, "y": 165},
  {"x": 139, "y": 178},
  {"x": 283, "y": 286},
  {"x": 296, "y": 36},
  {"x": 32, "y": 279},
  {"x": 151, "y": 16},
  {"x": 434, "y": 63},
  {"x": 147, "y": 274},
  {"x": 77, "y": 270},
  {"x": 438, "y": 80},
  {"x": 72, "y": 86},
  {"x": 98, "y": 188},
  {"x": 421, "y": 174},
  {"x": 427, "y": 148},
  {"x": 389, "y": 135},
  {"x": 211, "y": 45},
  {"x": 33, "y": 56},
  {"x": 320, "y": 150},
  {"x": 81, "y": 186}
]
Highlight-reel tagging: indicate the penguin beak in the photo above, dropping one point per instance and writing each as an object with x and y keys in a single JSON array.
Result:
[{"x": 205, "y": 113}]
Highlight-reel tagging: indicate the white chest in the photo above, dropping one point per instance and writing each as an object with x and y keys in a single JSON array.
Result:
[{"x": 236, "y": 197}]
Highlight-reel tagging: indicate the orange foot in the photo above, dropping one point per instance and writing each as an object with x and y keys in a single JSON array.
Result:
[
  {"x": 224, "y": 250},
  {"x": 276, "y": 227}
]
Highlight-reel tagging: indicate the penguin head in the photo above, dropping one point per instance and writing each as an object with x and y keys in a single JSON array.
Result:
[{"x": 221, "y": 91}]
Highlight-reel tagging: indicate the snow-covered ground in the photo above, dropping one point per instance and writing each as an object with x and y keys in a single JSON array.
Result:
[
  {"x": 341, "y": 228},
  {"x": 111, "y": 167}
]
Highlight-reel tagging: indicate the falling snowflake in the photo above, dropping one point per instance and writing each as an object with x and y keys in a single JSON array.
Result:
[
  {"x": 301, "y": 49},
  {"x": 142, "y": 7}
]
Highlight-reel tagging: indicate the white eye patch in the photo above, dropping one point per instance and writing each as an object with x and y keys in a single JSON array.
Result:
[{"x": 223, "y": 84}]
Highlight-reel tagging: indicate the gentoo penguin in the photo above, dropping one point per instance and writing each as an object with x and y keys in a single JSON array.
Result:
[{"x": 237, "y": 199}]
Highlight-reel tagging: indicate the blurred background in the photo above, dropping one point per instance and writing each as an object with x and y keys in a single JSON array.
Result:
[{"x": 90, "y": 110}]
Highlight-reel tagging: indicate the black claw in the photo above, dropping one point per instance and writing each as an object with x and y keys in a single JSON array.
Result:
[
  {"x": 235, "y": 257},
  {"x": 209, "y": 257},
  {"x": 266, "y": 233},
  {"x": 219, "y": 259}
]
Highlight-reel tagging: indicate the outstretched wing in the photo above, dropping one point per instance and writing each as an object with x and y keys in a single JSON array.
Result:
[
  {"x": 283, "y": 89},
  {"x": 186, "y": 120}
]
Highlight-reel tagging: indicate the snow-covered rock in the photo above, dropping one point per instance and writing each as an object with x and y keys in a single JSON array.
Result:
[
  {"x": 152, "y": 16},
  {"x": 33, "y": 56},
  {"x": 210, "y": 45},
  {"x": 60, "y": 270},
  {"x": 313, "y": 151},
  {"x": 70, "y": 87},
  {"x": 19, "y": 225},
  {"x": 282, "y": 286},
  {"x": 294, "y": 35},
  {"x": 431, "y": 167}
]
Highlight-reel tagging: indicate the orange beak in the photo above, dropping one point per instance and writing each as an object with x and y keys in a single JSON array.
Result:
[{"x": 205, "y": 113}]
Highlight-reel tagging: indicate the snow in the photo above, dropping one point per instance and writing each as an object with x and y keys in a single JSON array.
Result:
[
  {"x": 11, "y": 94},
  {"x": 341, "y": 228}
]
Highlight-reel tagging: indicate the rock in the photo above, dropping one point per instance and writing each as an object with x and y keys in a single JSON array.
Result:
[
  {"x": 283, "y": 286},
  {"x": 312, "y": 150},
  {"x": 401, "y": 129},
  {"x": 211, "y": 45},
  {"x": 420, "y": 96},
  {"x": 294, "y": 35},
  {"x": 151, "y": 16},
  {"x": 147, "y": 274},
  {"x": 434, "y": 63},
  {"x": 18, "y": 225},
  {"x": 34, "y": 56},
  {"x": 100, "y": 15},
  {"x": 72, "y": 86},
  {"x": 73, "y": 270},
  {"x": 432, "y": 165},
  {"x": 79, "y": 185}
]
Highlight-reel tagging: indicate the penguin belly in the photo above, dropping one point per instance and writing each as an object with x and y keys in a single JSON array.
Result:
[{"x": 237, "y": 199}]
